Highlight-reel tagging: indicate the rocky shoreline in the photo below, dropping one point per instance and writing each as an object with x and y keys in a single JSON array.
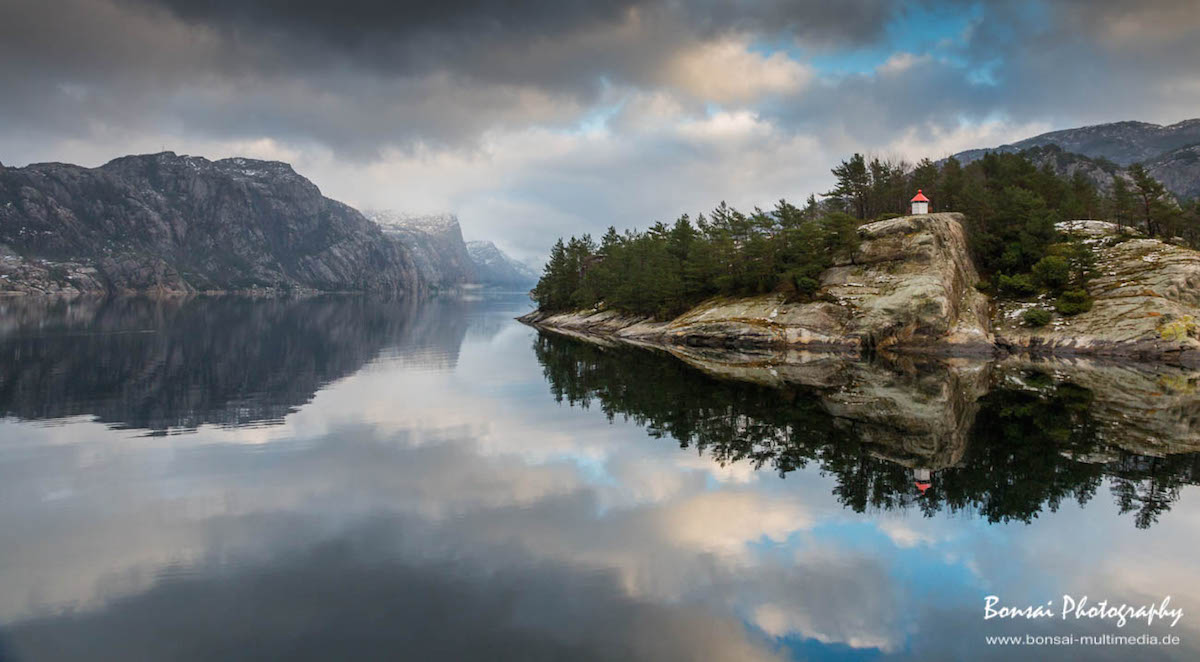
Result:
[{"x": 910, "y": 288}]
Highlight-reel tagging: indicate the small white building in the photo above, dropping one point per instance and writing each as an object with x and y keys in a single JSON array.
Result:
[{"x": 920, "y": 203}]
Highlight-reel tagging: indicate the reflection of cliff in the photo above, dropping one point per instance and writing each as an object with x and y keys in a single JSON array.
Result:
[
  {"x": 912, "y": 413},
  {"x": 1004, "y": 440},
  {"x": 160, "y": 364}
]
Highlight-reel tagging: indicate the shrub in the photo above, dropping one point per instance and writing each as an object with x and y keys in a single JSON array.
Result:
[
  {"x": 1073, "y": 302},
  {"x": 1036, "y": 317},
  {"x": 805, "y": 286},
  {"x": 1052, "y": 272},
  {"x": 1019, "y": 285}
]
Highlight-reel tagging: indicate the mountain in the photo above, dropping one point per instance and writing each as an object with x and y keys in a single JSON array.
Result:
[
  {"x": 1170, "y": 153},
  {"x": 1099, "y": 171},
  {"x": 1123, "y": 143},
  {"x": 444, "y": 260},
  {"x": 436, "y": 244},
  {"x": 496, "y": 269},
  {"x": 169, "y": 223},
  {"x": 1178, "y": 170}
]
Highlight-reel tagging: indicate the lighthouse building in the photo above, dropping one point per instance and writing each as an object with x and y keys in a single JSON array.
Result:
[{"x": 920, "y": 203}]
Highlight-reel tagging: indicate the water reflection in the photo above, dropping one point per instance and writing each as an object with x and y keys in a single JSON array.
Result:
[
  {"x": 161, "y": 364},
  {"x": 426, "y": 498},
  {"x": 1005, "y": 440}
]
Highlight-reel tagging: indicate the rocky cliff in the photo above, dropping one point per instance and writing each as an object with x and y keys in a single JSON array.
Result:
[
  {"x": 910, "y": 287},
  {"x": 169, "y": 223},
  {"x": 496, "y": 269},
  {"x": 436, "y": 244},
  {"x": 1146, "y": 302}
]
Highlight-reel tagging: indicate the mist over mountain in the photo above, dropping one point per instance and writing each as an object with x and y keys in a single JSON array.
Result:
[
  {"x": 496, "y": 268},
  {"x": 445, "y": 260},
  {"x": 435, "y": 242}
]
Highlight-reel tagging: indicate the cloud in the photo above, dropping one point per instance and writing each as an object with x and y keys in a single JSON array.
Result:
[{"x": 533, "y": 120}]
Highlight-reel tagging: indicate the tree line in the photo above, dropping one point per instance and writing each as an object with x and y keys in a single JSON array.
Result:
[{"x": 1010, "y": 204}]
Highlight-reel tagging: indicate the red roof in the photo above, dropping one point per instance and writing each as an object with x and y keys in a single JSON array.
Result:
[
  {"x": 921, "y": 485},
  {"x": 919, "y": 197}
]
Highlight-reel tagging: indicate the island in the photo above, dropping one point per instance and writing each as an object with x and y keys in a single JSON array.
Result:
[{"x": 1007, "y": 275}]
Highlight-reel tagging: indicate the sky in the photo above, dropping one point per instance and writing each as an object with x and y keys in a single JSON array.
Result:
[{"x": 554, "y": 117}]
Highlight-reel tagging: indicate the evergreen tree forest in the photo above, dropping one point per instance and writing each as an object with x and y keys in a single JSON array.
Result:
[{"x": 1010, "y": 204}]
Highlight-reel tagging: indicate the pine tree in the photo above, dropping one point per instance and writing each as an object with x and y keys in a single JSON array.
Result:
[
  {"x": 1121, "y": 201},
  {"x": 925, "y": 178},
  {"x": 1151, "y": 198},
  {"x": 853, "y": 184},
  {"x": 950, "y": 185}
]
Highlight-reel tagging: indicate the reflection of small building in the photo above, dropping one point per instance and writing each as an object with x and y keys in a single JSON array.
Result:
[
  {"x": 920, "y": 203},
  {"x": 922, "y": 478}
]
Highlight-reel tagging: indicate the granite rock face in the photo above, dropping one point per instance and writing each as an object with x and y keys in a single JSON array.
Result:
[
  {"x": 910, "y": 286},
  {"x": 436, "y": 244},
  {"x": 169, "y": 223},
  {"x": 1147, "y": 302}
]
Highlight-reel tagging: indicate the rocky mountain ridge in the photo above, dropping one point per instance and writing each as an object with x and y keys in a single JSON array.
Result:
[
  {"x": 1171, "y": 154},
  {"x": 1123, "y": 143},
  {"x": 178, "y": 224}
]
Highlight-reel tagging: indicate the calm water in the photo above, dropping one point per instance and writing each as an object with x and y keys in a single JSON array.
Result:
[{"x": 340, "y": 478}]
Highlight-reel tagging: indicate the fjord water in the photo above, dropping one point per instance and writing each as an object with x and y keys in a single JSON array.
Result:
[{"x": 341, "y": 477}]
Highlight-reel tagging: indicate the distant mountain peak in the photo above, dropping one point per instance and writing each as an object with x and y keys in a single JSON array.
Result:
[
  {"x": 1170, "y": 153},
  {"x": 495, "y": 267},
  {"x": 1123, "y": 143},
  {"x": 435, "y": 241}
]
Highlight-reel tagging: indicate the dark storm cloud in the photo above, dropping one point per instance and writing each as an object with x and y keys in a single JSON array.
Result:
[
  {"x": 432, "y": 34},
  {"x": 1074, "y": 62}
]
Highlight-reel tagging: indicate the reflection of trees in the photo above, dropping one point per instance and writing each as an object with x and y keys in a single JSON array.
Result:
[
  {"x": 1017, "y": 462},
  {"x": 180, "y": 363},
  {"x": 1147, "y": 486},
  {"x": 1032, "y": 445}
]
